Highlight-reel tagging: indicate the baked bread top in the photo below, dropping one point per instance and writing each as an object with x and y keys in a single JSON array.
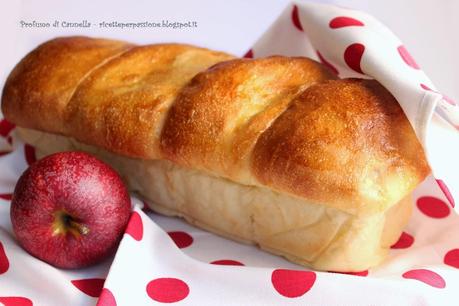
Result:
[{"x": 286, "y": 123}]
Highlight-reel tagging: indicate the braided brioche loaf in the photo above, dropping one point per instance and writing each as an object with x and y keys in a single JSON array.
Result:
[{"x": 273, "y": 151}]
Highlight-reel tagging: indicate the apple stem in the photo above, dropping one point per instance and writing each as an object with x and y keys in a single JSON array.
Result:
[
  {"x": 64, "y": 223},
  {"x": 82, "y": 229}
]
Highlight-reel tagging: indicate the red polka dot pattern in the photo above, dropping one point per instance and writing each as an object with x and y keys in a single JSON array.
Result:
[
  {"x": 167, "y": 290},
  {"x": 4, "y": 263},
  {"x": 446, "y": 192},
  {"x": 5, "y": 127},
  {"x": 327, "y": 63},
  {"x": 449, "y": 100},
  {"x": 405, "y": 241},
  {"x": 433, "y": 207},
  {"x": 29, "y": 153},
  {"x": 227, "y": 262},
  {"x": 6, "y": 196},
  {"x": 4, "y": 152},
  {"x": 407, "y": 58},
  {"x": 360, "y": 273},
  {"x": 426, "y": 276},
  {"x": 296, "y": 18},
  {"x": 452, "y": 258},
  {"x": 343, "y": 21},
  {"x": 353, "y": 56},
  {"x": 15, "y": 301},
  {"x": 292, "y": 283},
  {"x": 248, "y": 54},
  {"x": 106, "y": 298},
  {"x": 181, "y": 239},
  {"x": 135, "y": 227},
  {"x": 424, "y": 86},
  {"x": 445, "y": 98},
  {"x": 90, "y": 286}
]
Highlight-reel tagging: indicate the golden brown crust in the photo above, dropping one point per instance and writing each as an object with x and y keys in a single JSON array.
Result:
[
  {"x": 345, "y": 144},
  {"x": 121, "y": 105},
  {"x": 279, "y": 122},
  {"x": 104, "y": 92},
  {"x": 217, "y": 118},
  {"x": 38, "y": 89}
]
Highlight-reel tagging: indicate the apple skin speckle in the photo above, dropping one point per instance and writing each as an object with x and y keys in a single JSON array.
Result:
[{"x": 84, "y": 188}]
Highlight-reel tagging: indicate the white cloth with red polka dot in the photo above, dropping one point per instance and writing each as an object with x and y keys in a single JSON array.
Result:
[{"x": 164, "y": 260}]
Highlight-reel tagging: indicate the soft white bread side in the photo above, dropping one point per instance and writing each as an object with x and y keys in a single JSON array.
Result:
[{"x": 321, "y": 237}]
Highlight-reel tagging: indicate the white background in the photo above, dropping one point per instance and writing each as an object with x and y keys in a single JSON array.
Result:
[{"x": 429, "y": 28}]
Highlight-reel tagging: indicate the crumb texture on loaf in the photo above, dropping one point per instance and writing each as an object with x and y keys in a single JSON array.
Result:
[{"x": 285, "y": 123}]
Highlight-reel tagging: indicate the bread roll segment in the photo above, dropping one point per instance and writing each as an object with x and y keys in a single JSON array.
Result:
[
  {"x": 121, "y": 105},
  {"x": 217, "y": 118},
  {"x": 38, "y": 89},
  {"x": 273, "y": 151},
  {"x": 346, "y": 143}
]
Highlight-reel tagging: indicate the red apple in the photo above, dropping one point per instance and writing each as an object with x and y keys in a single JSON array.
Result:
[{"x": 70, "y": 209}]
